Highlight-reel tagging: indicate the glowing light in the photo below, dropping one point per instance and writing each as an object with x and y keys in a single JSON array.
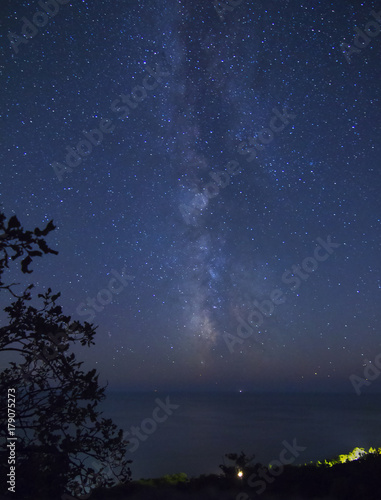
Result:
[
  {"x": 350, "y": 457},
  {"x": 240, "y": 473}
]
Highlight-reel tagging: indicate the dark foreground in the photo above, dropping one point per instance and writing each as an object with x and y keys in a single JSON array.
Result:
[{"x": 356, "y": 480}]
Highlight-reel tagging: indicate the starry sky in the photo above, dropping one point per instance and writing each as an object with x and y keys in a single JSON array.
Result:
[{"x": 213, "y": 174}]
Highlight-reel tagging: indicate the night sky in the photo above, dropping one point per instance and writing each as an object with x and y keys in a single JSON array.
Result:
[{"x": 225, "y": 163}]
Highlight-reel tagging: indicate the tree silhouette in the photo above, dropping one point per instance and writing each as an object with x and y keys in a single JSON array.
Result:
[
  {"x": 241, "y": 464},
  {"x": 59, "y": 429},
  {"x": 13, "y": 237}
]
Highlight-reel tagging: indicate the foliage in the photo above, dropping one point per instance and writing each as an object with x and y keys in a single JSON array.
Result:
[
  {"x": 59, "y": 428},
  {"x": 14, "y": 238},
  {"x": 241, "y": 464},
  {"x": 355, "y": 454},
  {"x": 168, "y": 479}
]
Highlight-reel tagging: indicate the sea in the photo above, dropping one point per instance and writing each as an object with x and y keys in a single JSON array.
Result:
[{"x": 197, "y": 430}]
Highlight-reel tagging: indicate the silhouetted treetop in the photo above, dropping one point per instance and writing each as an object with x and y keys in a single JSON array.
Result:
[{"x": 15, "y": 242}]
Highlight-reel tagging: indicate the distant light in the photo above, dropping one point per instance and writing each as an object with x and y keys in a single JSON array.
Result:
[
  {"x": 240, "y": 473},
  {"x": 355, "y": 454}
]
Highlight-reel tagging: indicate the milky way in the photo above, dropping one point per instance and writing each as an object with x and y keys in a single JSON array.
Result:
[{"x": 229, "y": 144}]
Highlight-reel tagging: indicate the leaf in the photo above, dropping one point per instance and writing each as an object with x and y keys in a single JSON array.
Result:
[
  {"x": 25, "y": 263},
  {"x": 56, "y": 310},
  {"x": 35, "y": 253},
  {"x": 43, "y": 246},
  {"x": 49, "y": 227},
  {"x": 13, "y": 222}
]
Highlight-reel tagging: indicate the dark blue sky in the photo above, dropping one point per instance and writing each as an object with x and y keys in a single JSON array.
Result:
[{"x": 205, "y": 158}]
